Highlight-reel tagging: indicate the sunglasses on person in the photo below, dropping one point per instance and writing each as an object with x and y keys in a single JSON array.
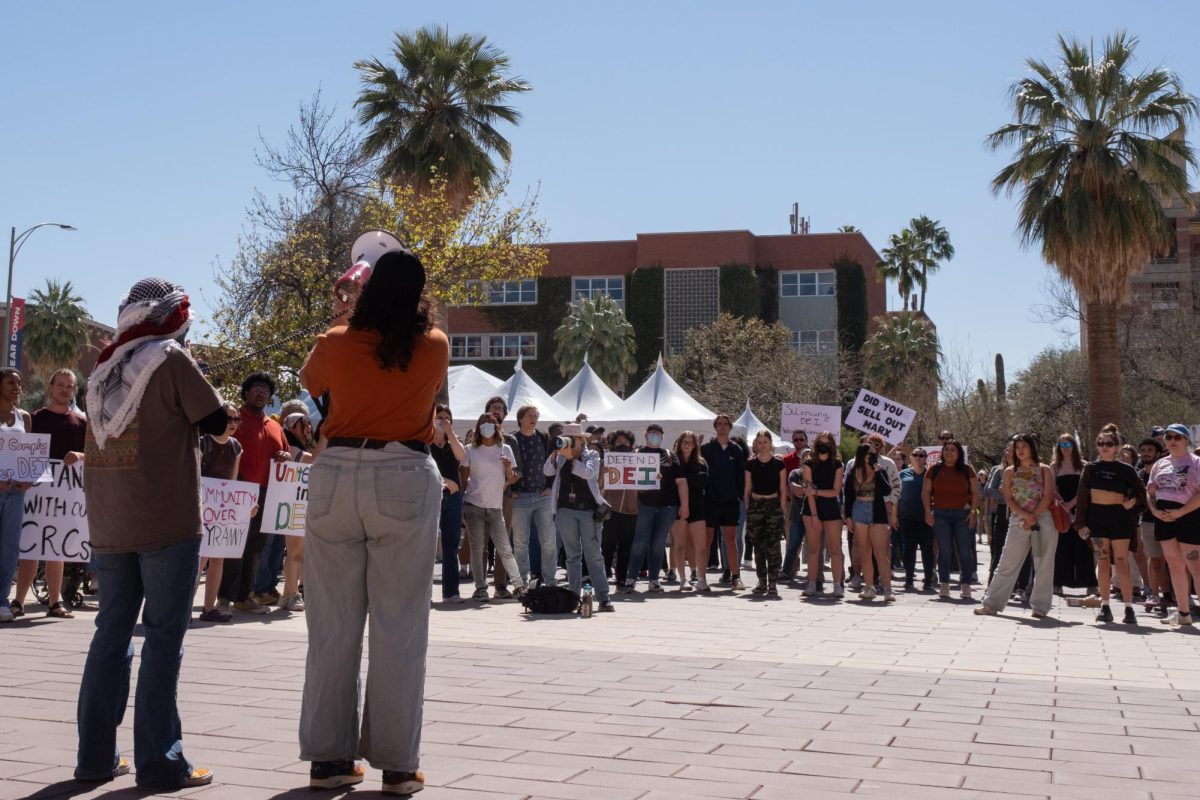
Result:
[
  {"x": 1170, "y": 437},
  {"x": 1106, "y": 444},
  {"x": 918, "y": 455},
  {"x": 234, "y": 420},
  {"x": 799, "y": 440},
  {"x": 1065, "y": 445},
  {"x": 945, "y": 438}
]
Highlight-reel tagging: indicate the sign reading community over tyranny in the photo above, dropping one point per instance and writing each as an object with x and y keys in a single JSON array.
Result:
[
  {"x": 287, "y": 499},
  {"x": 225, "y": 516},
  {"x": 631, "y": 471},
  {"x": 811, "y": 419},
  {"x": 55, "y": 526},
  {"x": 874, "y": 413},
  {"x": 24, "y": 457}
]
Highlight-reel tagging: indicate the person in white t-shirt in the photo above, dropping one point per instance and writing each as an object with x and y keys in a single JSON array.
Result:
[{"x": 488, "y": 470}]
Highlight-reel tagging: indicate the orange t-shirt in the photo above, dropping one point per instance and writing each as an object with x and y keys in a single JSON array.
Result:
[{"x": 366, "y": 401}]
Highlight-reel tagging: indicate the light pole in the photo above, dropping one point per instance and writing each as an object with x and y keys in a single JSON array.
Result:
[{"x": 15, "y": 243}]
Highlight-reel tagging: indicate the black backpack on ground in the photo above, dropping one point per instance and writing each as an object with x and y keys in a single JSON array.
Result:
[{"x": 550, "y": 600}]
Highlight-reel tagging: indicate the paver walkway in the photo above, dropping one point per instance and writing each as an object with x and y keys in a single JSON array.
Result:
[{"x": 680, "y": 696}]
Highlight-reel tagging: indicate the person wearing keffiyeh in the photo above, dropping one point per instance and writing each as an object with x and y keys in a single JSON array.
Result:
[{"x": 147, "y": 403}]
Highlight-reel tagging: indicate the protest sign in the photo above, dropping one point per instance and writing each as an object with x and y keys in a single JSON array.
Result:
[
  {"x": 225, "y": 515},
  {"x": 55, "y": 526},
  {"x": 287, "y": 499},
  {"x": 24, "y": 457},
  {"x": 631, "y": 471},
  {"x": 811, "y": 419},
  {"x": 874, "y": 413},
  {"x": 935, "y": 454}
]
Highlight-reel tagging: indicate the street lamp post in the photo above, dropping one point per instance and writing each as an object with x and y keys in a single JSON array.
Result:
[{"x": 15, "y": 243}]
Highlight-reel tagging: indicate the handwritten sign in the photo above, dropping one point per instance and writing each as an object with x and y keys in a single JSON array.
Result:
[
  {"x": 631, "y": 471},
  {"x": 225, "y": 516},
  {"x": 811, "y": 419},
  {"x": 287, "y": 499},
  {"x": 935, "y": 454},
  {"x": 24, "y": 457},
  {"x": 874, "y": 413},
  {"x": 55, "y": 526}
]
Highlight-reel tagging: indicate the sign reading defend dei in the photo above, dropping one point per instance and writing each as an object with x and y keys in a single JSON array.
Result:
[
  {"x": 286, "y": 505},
  {"x": 874, "y": 413},
  {"x": 631, "y": 471}
]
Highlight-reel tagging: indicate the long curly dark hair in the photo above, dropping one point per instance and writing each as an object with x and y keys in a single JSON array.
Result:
[{"x": 394, "y": 303}]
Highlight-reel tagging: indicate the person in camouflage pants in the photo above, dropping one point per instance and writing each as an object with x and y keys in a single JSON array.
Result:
[{"x": 764, "y": 529}]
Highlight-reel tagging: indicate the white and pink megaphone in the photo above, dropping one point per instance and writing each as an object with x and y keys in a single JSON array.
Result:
[{"x": 366, "y": 251}]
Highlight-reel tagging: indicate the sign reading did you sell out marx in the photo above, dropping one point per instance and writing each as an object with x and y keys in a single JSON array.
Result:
[{"x": 874, "y": 413}]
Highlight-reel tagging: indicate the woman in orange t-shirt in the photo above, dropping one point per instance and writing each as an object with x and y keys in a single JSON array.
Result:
[{"x": 374, "y": 495}]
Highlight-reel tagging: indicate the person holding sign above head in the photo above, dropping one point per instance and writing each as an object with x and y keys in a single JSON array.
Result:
[
  {"x": 951, "y": 495},
  {"x": 374, "y": 496},
  {"x": 67, "y": 429},
  {"x": 148, "y": 404},
  {"x": 577, "y": 502},
  {"x": 823, "y": 472},
  {"x": 220, "y": 455},
  {"x": 766, "y": 512},
  {"x": 12, "y": 493}
]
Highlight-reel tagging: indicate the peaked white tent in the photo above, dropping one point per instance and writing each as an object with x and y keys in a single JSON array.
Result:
[
  {"x": 586, "y": 393},
  {"x": 660, "y": 399},
  {"x": 522, "y": 390},
  {"x": 469, "y": 388},
  {"x": 748, "y": 425}
]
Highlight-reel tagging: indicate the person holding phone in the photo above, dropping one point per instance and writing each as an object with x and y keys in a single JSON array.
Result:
[{"x": 489, "y": 472}]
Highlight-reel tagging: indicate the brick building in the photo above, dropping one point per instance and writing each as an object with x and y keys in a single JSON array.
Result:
[{"x": 668, "y": 283}]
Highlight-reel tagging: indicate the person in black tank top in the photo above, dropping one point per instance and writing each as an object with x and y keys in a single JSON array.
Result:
[
  {"x": 766, "y": 512},
  {"x": 823, "y": 470}
]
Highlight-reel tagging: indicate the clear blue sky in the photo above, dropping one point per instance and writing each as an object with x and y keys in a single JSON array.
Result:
[{"x": 137, "y": 123}]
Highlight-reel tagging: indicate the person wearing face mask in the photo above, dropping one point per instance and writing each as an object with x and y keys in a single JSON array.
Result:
[
  {"x": 575, "y": 469},
  {"x": 619, "y": 528},
  {"x": 488, "y": 467},
  {"x": 657, "y": 511}
]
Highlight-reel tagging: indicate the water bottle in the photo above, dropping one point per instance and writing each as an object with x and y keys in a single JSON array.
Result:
[{"x": 585, "y": 607}]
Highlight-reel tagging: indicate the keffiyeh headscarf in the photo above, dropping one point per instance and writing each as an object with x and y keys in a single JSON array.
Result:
[{"x": 152, "y": 320}]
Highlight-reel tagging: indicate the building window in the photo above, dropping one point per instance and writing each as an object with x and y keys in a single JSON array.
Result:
[
  {"x": 591, "y": 288},
  {"x": 1164, "y": 296},
  {"x": 510, "y": 345},
  {"x": 466, "y": 346},
  {"x": 506, "y": 293},
  {"x": 815, "y": 343},
  {"x": 812, "y": 283}
]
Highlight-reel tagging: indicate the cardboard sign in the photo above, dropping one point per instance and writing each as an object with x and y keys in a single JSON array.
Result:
[
  {"x": 55, "y": 526},
  {"x": 935, "y": 454},
  {"x": 24, "y": 457},
  {"x": 286, "y": 505},
  {"x": 874, "y": 413},
  {"x": 225, "y": 516},
  {"x": 813, "y": 420},
  {"x": 631, "y": 471}
]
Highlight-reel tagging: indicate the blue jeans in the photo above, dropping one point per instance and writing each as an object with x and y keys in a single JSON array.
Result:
[
  {"x": 649, "y": 539},
  {"x": 581, "y": 536},
  {"x": 795, "y": 540},
  {"x": 534, "y": 509},
  {"x": 166, "y": 579},
  {"x": 12, "y": 514},
  {"x": 267, "y": 577},
  {"x": 954, "y": 537},
  {"x": 450, "y": 528}
]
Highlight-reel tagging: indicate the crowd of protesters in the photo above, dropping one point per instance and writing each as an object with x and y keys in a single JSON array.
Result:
[{"x": 393, "y": 490}]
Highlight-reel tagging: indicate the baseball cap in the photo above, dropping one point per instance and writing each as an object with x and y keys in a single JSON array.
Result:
[{"x": 1181, "y": 429}]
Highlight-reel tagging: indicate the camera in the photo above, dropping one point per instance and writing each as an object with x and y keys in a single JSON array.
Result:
[{"x": 562, "y": 442}]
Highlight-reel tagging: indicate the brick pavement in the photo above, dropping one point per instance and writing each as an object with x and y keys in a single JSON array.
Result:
[{"x": 682, "y": 696}]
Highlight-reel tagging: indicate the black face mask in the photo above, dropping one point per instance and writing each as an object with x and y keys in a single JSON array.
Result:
[
  {"x": 622, "y": 448},
  {"x": 823, "y": 447}
]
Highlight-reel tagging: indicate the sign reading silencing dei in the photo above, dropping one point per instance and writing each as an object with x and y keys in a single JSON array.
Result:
[
  {"x": 812, "y": 419},
  {"x": 874, "y": 413},
  {"x": 631, "y": 471},
  {"x": 286, "y": 505}
]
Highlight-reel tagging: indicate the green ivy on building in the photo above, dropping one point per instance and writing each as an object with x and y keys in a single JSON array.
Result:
[
  {"x": 554, "y": 300},
  {"x": 644, "y": 309}
]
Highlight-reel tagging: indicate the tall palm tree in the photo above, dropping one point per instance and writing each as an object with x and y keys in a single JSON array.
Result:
[
  {"x": 55, "y": 326},
  {"x": 1098, "y": 150},
  {"x": 935, "y": 248},
  {"x": 901, "y": 263},
  {"x": 848, "y": 229},
  {"x": 902, "y": 359},
  {"x": 437, "y": 109},
  {"x": 597, "y": 329}
]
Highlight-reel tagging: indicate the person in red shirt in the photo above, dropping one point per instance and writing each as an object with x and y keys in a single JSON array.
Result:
[{"x": 263, "y": 443}]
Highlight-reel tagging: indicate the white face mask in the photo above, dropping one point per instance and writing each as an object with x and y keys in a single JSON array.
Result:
[
  {"x": 487, "y": 430},
  {"x": 654, "y": 439}
]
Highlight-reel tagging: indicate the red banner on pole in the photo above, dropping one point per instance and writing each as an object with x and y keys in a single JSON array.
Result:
[{"x": 16, "y": 331}]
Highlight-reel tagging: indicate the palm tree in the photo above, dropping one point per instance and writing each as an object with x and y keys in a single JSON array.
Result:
[
  {"x": 902, "y": 359},
  {"x": 436, "y": 111},
  {"x": 1099, "y": 150},
  {"x": 596, "y": 329},
  {"x": 55, "y": 326},
  {"x": 935, "y": 248},
  {"x": 900, "y": 263},
  {"x": 848, "y": 229}
]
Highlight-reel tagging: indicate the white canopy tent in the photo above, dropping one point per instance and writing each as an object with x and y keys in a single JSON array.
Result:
[
  {"x": 587, "y": 394},
  {"x": 660, "y": 399},
  {"x": 469, "y": 388},
  {"x": 521, "y": 390},
  {"x": 747, "y": 425}
]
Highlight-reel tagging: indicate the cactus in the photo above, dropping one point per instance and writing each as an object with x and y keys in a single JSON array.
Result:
[{"x": 1001, "y": 385}]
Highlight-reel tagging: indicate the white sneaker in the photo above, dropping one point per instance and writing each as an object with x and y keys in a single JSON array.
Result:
[
  {"x": 888, "y": 597},
  {"x": 6, "y": 614},
  {"x": 1181, "y": 620},
  {"x": 868, "y": 593},
  {"x": 944, "y": 590},
  {"x": 292, "y": 602}
]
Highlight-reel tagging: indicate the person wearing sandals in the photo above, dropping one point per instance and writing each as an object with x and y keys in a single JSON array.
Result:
[
  {"x": 1174, "y": 487},
  {"x": 576, "y": 492},
  {"x": 1029, "y": 489},
  {"x": 220, "y": 456},
  {"x": 12, "y": 493},
  {"x": 374, "y": 497},
  {"x": 67, "y": 429},
  {"x": 148, "y": 404}
]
